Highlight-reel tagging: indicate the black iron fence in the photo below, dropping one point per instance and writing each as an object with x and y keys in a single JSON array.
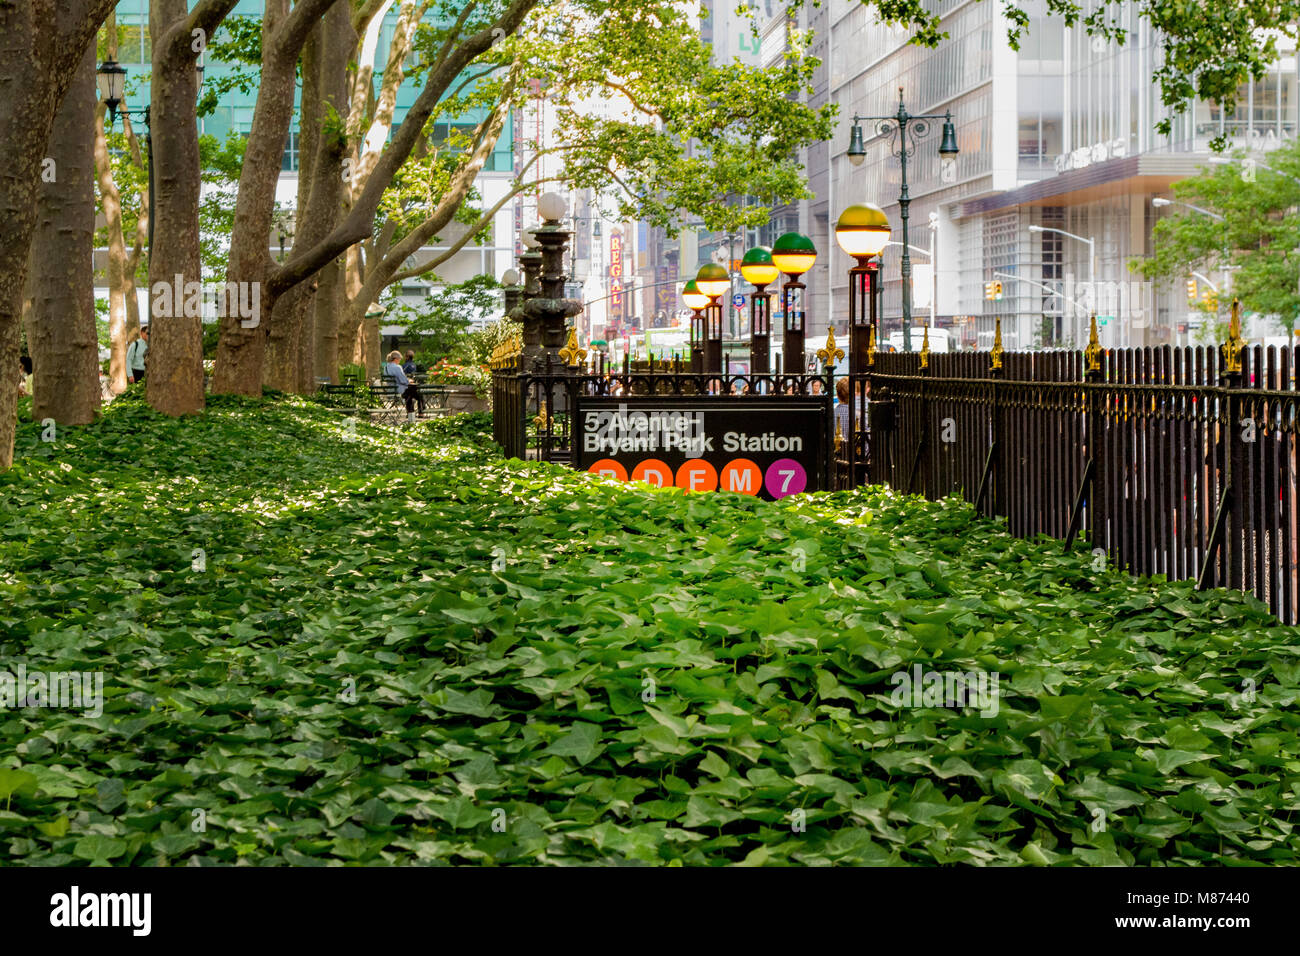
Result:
[{"x": 1172, "y": 461}]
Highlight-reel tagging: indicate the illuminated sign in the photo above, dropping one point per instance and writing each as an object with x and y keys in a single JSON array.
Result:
[{"x": 616, "y": 271}]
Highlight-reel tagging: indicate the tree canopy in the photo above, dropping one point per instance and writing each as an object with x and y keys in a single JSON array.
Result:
[{"x": 1257, "y": 241}]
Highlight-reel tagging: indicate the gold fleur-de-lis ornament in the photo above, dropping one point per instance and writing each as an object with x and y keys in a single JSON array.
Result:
[
  {"x": 831, "y": 353},
  {"x": 571, "y": 354}
]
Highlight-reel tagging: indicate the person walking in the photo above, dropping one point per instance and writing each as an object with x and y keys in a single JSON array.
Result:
[
  {"x": 843, "y": 428},
  {"x": 405, "y": 387},
  {"x": 135, "y": 356}
]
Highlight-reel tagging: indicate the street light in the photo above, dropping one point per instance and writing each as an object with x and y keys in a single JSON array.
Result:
[
  {"x": 697, "y": 302},
  {"x": 760, "y": 271},
  {"x": 713, "y": 281},
  {"x": 794, "y": 255},
  {"x": 512, "y": 293},
  {"x": 112, "y": 78},
  {"x": 862, "y": 231},
  {"x": 1161, "y": 201},
  {"x": 552, "y": 207},
  {"x": 904, "y": 131},
  {"x": 1092, "y": 262}
]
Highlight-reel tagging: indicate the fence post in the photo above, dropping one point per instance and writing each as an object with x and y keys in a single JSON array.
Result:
[
  {"x": 1092, "y": 425},
  {"x": 1227, "y": 518},
  {"x": 829, "y": 356},
  {"x": 923, "y": 404},
  {"x": 992, "y": 469}
]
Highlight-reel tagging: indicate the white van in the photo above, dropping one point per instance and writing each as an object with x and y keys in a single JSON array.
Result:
[{"x": 940, "y": 341}]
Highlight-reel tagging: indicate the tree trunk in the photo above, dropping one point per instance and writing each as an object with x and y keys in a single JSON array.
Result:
[
  {"x": 61, "y": 323},
  {"x": 350, "y": 316},
  {"x": 41, "y": 42},
  {"x": 284, "y": 339},
  {"x": 110, "y": 201},
  {"x": 241, "y": 351},
  {"x": 174, "y": 384},
  {"x": 291, "y": 361},
  {"x": 329, "y": 192}
]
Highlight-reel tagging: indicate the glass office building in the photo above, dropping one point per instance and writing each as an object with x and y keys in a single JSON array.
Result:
[{"x": 1059, "y": 134}]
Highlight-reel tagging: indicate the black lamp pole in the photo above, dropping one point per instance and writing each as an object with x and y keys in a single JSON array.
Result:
[{"x": 904, "y": 130}]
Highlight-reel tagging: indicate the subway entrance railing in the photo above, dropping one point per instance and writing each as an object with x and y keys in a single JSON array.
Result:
[{"x": 1172, "y": 461}]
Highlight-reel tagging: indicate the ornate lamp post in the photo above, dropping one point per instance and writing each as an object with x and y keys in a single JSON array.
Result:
[
  {"x": 862, "y": 231},
  {"x": 544, "y": 310},
  {"x": 531, "y": 262},
  {"x": 513, "y": 292},
  {"x": 794, "y": 255},
  {"x": 760, "y": 272},
  {"x": 903, "y": 130},
  {"x": 697, "y": 302},
  {"x": 713, "y": 281}
]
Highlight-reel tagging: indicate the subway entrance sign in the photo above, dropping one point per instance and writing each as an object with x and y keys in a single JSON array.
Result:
[{"x": 767, "y": 446}]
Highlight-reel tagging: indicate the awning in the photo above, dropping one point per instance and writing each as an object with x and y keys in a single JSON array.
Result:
[{"x": 1147, "y": 173}]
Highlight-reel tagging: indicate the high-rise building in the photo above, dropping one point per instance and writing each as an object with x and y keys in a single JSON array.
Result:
[{"x": 1051, "y": 192}]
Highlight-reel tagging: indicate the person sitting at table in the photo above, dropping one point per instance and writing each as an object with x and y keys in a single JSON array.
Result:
[{"x": 405, "y": 387}]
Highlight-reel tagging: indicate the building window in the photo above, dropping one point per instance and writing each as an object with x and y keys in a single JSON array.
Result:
[{"x": 289, "y": 163}]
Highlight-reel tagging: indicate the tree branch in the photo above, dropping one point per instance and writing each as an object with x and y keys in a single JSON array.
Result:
[
  {"x": 636, "y": 105},
  {"x": 207, "y": 16},
  {"x": 289, "y": 39},
  {"x": 482, "y": 223},
  {"x": 471, "y": 79},
  {"x": 459, "y": 25},
  {"x": 359, "y": 222},
  {"x": 367, "y": 12}
]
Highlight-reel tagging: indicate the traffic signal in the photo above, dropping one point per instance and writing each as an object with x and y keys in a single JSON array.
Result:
[
  {"x": 997, "y": 291},
  {"x": 1191, "y": 290},
  {"x": 988, "y": 290}
]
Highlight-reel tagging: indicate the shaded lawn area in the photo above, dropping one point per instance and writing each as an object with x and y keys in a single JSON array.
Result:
[{"x": 400, "y": 648}]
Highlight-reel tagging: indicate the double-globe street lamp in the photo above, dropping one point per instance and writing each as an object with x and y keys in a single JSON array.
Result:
[
  {"x": 904, "y": 130},
  {"x": 713, "y": 281},
  {"x": 862, "y": 231},
  {"x": 697, "y": 302},
  {"x": 793, "y": 254},
  {"x": 760, "y": 271}
]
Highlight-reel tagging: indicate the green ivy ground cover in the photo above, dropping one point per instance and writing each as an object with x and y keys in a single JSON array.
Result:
[{"x": 425, "y": 654}]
